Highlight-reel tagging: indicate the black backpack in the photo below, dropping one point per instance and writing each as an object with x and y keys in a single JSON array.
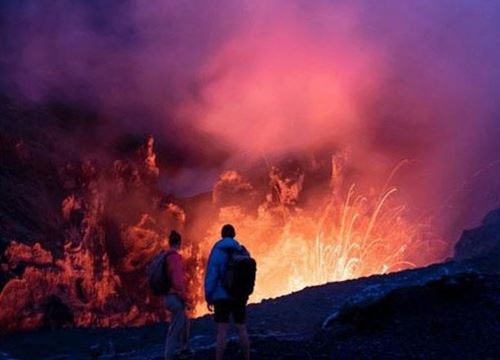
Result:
[
  {"x": 159, "y": 282},
  {"x": 239, "y": 279}
]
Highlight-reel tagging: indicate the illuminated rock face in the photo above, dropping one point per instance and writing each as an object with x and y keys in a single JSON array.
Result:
[{"x": 112, "y": 221}]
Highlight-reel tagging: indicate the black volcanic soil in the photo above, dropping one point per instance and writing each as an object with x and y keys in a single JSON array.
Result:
[{"x": 445, "y": 311}]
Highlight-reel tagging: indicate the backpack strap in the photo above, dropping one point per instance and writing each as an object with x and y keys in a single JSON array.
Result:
[
  {"x": 244, "y": 250},
  {"x": 234, "y": 251}
]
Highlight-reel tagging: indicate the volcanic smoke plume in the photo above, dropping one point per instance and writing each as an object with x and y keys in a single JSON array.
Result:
[{"x": 340, "y": 139}]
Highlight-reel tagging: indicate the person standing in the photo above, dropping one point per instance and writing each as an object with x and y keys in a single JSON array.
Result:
[
  {"x": 222, "y": 300},
  {"x": 176, "y": 300}
]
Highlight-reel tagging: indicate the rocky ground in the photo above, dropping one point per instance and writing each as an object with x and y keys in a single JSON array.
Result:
[{"x": 444, "y": 311}]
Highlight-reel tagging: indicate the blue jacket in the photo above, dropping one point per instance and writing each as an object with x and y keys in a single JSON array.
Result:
[{"x": 216, "y": 268}]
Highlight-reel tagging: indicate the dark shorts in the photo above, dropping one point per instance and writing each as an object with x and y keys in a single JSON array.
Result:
[{"x": 225, "y": 308}]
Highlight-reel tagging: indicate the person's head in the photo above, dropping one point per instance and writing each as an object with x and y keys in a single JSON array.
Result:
[
  {"x": 174, "y": 239},
  {"x": 228, "y": 231}
]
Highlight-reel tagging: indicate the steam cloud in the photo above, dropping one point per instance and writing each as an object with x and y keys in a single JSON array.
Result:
[{"x": 255, "y": 78}]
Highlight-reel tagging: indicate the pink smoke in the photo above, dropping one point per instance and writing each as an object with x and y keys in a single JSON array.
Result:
[{"x": 253, "y": 79}]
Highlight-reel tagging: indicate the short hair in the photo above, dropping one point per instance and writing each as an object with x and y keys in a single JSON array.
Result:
[
  {"x": 174, "y": 239},
  {"x": 228, "y": 231}
]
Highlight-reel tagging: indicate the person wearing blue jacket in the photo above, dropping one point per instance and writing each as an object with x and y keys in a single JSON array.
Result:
[{"x": 218, "y": 299}]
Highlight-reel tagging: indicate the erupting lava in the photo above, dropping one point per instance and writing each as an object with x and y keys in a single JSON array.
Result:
[
  {"x": 344, "y": 235},
  {"x": 305, "y": 225},
  {"x": 86, "y": 205}
]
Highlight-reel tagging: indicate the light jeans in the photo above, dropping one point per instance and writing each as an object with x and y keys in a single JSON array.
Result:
[{"x": 178, "y": 328}]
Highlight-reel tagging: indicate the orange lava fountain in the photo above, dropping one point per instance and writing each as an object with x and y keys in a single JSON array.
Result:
[{"x": 348, "y": 235}]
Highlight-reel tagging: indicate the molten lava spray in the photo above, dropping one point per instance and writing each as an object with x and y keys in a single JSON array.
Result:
[
  {"x": 233, "y": 90},
  {"x": 340, "y": 235}
]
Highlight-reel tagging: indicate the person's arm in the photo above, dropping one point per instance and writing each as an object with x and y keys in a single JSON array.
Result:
[
  {"x": 177, "y": 276},
  {"x": 211, "y": 275}
]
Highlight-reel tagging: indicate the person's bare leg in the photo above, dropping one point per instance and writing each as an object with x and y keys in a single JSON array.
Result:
[
  {"x": 244, "y": 340},
  {"x": 221, "y": 340}
]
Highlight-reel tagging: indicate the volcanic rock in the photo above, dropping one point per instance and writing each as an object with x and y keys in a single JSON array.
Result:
[
  {"x": 482, "y": 241},
  {"x": 444, "y": 311}
]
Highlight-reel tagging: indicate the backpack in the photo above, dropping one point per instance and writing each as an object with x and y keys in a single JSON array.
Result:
[
  {"x": 239, "y": 279},
  {"x": 159, "y": 282}
]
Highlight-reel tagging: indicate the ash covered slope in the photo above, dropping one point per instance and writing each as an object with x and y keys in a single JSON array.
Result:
[
  {"x": 78, "y": 221},
  {"x": 444, "y": 311}
]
